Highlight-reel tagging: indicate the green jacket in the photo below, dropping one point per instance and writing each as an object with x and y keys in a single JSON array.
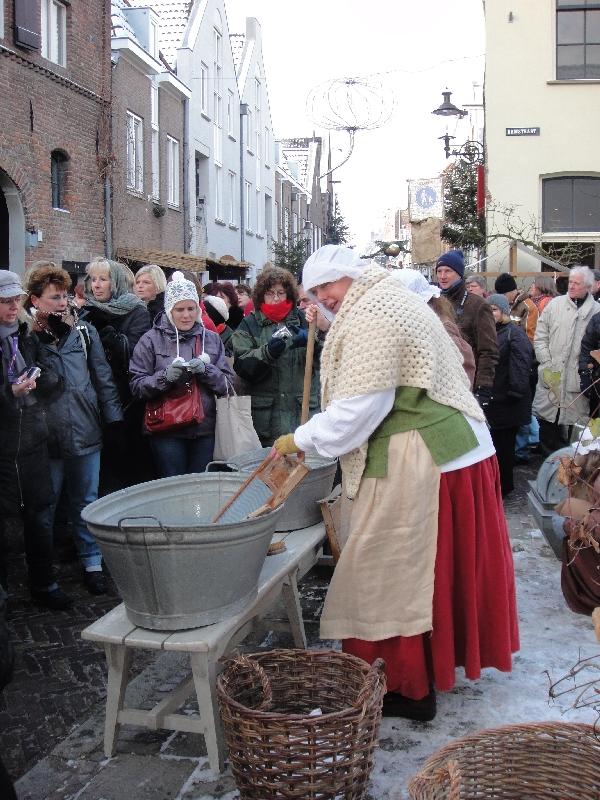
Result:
[{"x": 275, "y": 384}]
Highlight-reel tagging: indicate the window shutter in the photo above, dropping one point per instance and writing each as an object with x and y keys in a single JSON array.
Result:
[{"x": 27, "y": 24}]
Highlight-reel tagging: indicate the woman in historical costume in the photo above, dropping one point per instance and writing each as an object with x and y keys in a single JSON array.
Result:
[{"x": 426, "y": 577}]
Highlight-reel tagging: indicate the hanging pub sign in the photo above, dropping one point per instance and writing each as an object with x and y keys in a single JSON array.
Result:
[{"x": 522, "y": 131}]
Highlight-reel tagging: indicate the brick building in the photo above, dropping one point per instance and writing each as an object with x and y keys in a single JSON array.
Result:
[{"x": 54, "y": 130}]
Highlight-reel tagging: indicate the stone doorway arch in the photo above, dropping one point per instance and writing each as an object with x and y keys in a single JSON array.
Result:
[{"x": 12, "y": 226}]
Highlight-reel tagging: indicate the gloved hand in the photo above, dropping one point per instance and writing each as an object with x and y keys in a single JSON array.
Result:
[
  {"x": 196, "y": 366},
  {"x": 285, "y": 445},
  {"x": 299, "y": 336},
  {"x": 483, "y": 395},
  {"x": 276, "y": 346},
  {"x": 175, "y": 372}
]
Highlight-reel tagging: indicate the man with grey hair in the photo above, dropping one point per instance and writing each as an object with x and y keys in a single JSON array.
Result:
[
  {"x": 557, "y": 342},
  {"x": 476, "y": 284}
]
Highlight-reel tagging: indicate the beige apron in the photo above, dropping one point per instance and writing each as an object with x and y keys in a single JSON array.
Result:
[{"x": 383, "y": 583}]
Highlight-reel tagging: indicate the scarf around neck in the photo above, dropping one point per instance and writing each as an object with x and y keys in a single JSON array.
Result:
[
  {"x": 14, "y": 363},
  {"x": 276, "y": 312},
  {"x": 117, "y": 306}
]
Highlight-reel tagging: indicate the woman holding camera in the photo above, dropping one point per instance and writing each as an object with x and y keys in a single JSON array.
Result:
[
  {"x": 86, "y": 399},
  {"x": 179, "y": 349},
  {"x": 269, "y": 348},
  {"x": 24, "y": 463}
]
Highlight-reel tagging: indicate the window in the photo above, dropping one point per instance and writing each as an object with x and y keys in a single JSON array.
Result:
[
  {"x": 258, "y": 213},
  {"x": 153, "y": 39},
  {"x": 54, "y": 31},
  {"x": 58, "y": 177},
  {"x": 249, "y": 130},
  {"x": 172, "y": 171},
  {"x": 135, "y": 153},
  {"x": 277, "y": 221},
  {"x": 217, "y": 128},
  {"x": 230, "y": 113},
  {"x": 286, "y": 223},
  {"x": 577, "y": 39},
  {"x": 267, "y": 155},
  {"x": 232, "y": 214},
  {"x": 203, "y": 88},
  {"x": 1, "y": 19},
  {"x": 571, "y": 204},
  {"x": 248, "y": 188},
  {"x": 26, "y": 24},
  {"x": 155, "y": 141},
  {"x": 218, "y": 193}
]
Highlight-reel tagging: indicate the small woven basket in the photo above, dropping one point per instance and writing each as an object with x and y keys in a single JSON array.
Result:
[
  {"x": 533, "y": 761},
  {"x": 276, "y": 749}
]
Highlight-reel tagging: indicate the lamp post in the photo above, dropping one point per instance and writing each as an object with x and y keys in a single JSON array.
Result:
[{"x": 471, "y": 151}]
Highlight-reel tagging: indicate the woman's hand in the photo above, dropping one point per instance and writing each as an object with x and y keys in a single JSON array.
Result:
[
  {"x": 312, "y": 313},
  {"x": 22, "y": 388}
]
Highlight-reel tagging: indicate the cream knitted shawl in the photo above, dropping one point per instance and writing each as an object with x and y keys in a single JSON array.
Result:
[{"x": 383, "y": 337}]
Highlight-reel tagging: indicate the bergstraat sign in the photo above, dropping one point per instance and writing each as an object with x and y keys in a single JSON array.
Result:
[{"x": 522, "y": 131}]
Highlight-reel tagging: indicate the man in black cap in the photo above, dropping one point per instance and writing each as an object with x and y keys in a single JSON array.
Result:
[{"x": 475, "y": 321}]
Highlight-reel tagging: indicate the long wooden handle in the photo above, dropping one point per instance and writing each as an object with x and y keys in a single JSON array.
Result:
[{"x": 310, "y": 352}]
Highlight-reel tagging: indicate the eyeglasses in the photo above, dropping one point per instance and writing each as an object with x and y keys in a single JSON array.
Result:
[
  {"x": 276, "y": 295},
  {"x": 8, "y": 301}
]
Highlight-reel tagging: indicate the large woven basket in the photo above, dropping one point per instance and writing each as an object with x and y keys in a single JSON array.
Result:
[
  {"x": 533, "y": 761},
  {"x": 276, "y": 749}
]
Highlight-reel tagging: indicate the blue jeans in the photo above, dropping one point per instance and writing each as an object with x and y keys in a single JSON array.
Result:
[
  {"x": 528, "y": 435},
  {"x": 80, "y": 475},
  {"x": 179, "y": 456}
]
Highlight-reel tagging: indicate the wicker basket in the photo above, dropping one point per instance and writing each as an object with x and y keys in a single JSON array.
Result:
[
  {"x": 533, "y": 761},
  {"x": 276, "y": 749}
]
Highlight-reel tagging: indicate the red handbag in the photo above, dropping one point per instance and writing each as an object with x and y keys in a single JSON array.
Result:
[{"x": 176, "y": 408}]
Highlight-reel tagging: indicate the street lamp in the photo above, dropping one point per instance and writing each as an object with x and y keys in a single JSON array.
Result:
[{"x": 471, "y": 151}]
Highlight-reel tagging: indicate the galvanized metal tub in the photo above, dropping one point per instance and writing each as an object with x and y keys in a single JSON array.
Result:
[
  {"x": 175, "y": 569},
  {"x": 545, "y": 493},
  {"x": 301, "y": 508}
]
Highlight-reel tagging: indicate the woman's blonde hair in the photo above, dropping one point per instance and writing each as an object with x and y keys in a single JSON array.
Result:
[{"x": 156, "y": 274}]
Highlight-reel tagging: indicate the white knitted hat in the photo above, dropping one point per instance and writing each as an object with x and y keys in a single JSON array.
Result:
[
  {"x": 416, "y": 283},
  {"x": 218, "y": 304},
  {"x": 330, "y": 263},
  {"x": 179, "y": 288}
]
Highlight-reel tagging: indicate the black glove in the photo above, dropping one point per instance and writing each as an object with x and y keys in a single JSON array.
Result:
[
  {"x": 115, "y": 345},
  {"x": 299, "y": 336},
  {"x": 483, "y": 395},
  {"x": 276, "y": 346}
]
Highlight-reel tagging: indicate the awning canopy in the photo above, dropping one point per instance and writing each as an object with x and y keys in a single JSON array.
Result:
[
  {"x": 228, "y": 261},
  {"x": 163, "y": 258}
]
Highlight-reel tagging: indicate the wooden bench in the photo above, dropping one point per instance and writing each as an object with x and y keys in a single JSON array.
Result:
[{"x": 206, "y": 645}]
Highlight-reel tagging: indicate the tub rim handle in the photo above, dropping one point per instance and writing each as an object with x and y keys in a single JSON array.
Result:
[
  {"x": 224, "y": 463},
  {"x": 143, "y": 516}
]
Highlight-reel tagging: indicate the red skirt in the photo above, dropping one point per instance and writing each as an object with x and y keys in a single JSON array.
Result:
[{"x": 475, "y": 621}]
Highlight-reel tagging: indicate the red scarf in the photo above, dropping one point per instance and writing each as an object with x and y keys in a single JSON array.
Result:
[
  {"x": 220, "y": 328},
  {"x": 277, "y": 312}
]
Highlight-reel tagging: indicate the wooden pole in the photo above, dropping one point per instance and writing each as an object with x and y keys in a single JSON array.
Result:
[
  {"x": 512, "y": 258},
  {"x": 310, "y": 351}
]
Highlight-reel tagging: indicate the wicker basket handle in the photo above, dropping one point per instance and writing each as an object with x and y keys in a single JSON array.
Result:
[
  {"x": 243, "y": 662},
  {"x": 455, "y": 780},
  {"x": 374, "y": 676}
]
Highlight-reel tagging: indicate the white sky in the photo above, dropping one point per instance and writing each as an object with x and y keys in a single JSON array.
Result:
[{"x": 423, "y": 47}]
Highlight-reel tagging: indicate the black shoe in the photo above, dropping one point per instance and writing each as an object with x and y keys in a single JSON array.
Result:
[
  {"x": 397, "y": 705},
  {"x": 55, "y": 600},
  {"x": 95, "y": 582}
]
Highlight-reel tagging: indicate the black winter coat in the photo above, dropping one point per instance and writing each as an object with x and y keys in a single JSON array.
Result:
[
  {"x": 89, "y": 397},
  {"x": 589, "y": 369},
  {"x": 7, "y": 655},
  {"x": 119, "y": 336},
  {"x": 24, "y": 461},
  {"x": 510, "y": 406}
]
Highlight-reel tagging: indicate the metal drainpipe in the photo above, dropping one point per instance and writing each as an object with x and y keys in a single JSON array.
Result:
[
  {"x": 243, "y": 113},
  {"x": 186, "y": 172},
  {"x": 108, "y": 242}
]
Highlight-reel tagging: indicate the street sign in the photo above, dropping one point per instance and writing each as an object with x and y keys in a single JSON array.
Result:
[{"x": 522, "y": 131}]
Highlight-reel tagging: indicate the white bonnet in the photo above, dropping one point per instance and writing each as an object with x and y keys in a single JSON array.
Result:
[
  {"x": 330, "y": 263},
  {"x": 218, "y": 304},
  {"x": 179, "y": 288},
  {"x": 416, "y": 283}
]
